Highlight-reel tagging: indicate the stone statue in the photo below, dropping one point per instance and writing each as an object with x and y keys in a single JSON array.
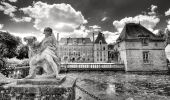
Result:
[{"x": 43, "y": 55}]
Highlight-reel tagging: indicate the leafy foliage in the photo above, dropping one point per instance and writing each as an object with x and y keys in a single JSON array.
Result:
[
  {"x": 22, "y": 51},
  {"x": 167, "y": 33},
  {"x": 8, "y": 44}
]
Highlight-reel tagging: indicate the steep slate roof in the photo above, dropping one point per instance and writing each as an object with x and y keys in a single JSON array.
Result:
[
  {"x": 100, "y": 37},
  {"x": 111, "y": 46},
  {"x": 134, "y": 31},
  {"x": 77, "y": 40}
]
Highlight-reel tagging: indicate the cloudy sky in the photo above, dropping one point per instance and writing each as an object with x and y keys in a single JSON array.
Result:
[{"x": 79, "y": 18}]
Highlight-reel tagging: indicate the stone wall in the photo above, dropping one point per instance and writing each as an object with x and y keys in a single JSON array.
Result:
[
  {"x": 131, "y": 54},
  {"x": 134, "y": 56},
  {"x": 76, "y": 53},
  {"x": 121, "y": 47},
  {"x": 100, "y": 53}
]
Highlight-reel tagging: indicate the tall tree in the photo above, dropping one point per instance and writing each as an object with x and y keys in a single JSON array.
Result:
[
  {"x": 167, "y": 33},
  {"x": 8, "y": 44},
  {"x": 22, "y": 51}
]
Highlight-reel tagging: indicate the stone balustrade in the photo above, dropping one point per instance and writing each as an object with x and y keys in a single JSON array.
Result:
[{"x": 21, "y": 72}]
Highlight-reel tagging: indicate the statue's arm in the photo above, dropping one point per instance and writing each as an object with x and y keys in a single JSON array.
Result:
[{"x": 47, "y": 43}]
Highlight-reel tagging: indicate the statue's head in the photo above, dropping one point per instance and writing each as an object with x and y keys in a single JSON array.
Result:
[
  {"x": 30, "y": 40},
  {"x": 48, "y": 31}
]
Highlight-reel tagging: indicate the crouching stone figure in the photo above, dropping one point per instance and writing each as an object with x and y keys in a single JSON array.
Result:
[{"x": 44, "y": 55}]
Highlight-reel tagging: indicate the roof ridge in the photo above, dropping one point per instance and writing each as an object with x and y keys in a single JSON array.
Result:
[{"x": 132, "y": 30}]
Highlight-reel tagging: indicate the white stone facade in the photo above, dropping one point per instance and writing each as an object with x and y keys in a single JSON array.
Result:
[{"x": 82, "y": 50}]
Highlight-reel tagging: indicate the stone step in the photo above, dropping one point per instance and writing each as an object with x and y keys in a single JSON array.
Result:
[{"x": 51, "y": 81}]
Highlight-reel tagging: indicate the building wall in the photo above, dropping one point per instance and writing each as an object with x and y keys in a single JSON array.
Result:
[
  {"x": 100, "y": 53},
  {"x": 134, "y": 56},
  {"x": 76, "y": 53},
  {"x": 121, "y": 48}
]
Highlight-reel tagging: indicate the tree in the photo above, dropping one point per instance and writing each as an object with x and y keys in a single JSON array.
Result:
[
  {"x": 22, "y": 51},
  {"x": 8, "y": 44},
  {"x": 167, "y": 34}
]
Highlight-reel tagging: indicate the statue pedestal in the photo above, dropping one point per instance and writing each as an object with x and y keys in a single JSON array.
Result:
[
  {"x": 40, "y": 89},
  {"x": 51, "y": 81}
]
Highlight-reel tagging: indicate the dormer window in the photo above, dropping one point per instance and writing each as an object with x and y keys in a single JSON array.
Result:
[
  {"x": 144, "y": 39},
  {"x": 75, "y": 42},
  {"x": 145, "y": 42},
  {"x": 84, "y": 41}
]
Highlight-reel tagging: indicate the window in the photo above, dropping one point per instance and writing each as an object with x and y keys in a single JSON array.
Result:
[
  {"x": 146, "y": 57},
  {"x": 103, "y": 48},
  {"x": 97, "y": 54},
  {"x": 100, "y": 42},
  {"x": 118, "y": 45},
  {"x": 145, "y": 42},
  {"x": 74, "y": 42}
]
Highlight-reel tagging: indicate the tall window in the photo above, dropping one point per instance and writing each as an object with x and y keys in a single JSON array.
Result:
[
  {"x": 103, "y": 48},
  {"x": 75, "y": 42},
  {"x": 100, "y": 42},
  {"x": 146, "y": 57}
]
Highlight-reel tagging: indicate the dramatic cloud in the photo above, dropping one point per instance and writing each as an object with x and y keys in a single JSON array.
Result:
[
  {"x": 1, "y": 26},
  {"x": 104, "y": 19},
  {"x": 8, "y": 9},
  {"x": 168, "y": 26},
  {"x": 82, "y": 31},
  {"x": 23, "y": 19},
  {"x": 153, "y": 8},
  {"x": 13, "y": 0},
  {"x": 167, "y": 13},
  {"x": 95, "y": 27},
  {"x": 110, "y": 36},
  {"x": 61, "y": 17},
  {"x": 39, "y": 36},
  {"x": 147, "y": 21}
]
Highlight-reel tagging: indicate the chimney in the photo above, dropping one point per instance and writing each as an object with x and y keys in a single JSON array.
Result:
[
  {"x": 57, "y": 37},
  {"x": 93, "y": 38}
]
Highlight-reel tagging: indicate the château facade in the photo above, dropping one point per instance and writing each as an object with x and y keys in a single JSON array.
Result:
[
  {"x": 76, "y": 50},
  {"x": 83, "y": 50},
  {"x": 100, "y": 49},
  {"x": 141, "y": 50},
  {"x": 136, "y": 47}
]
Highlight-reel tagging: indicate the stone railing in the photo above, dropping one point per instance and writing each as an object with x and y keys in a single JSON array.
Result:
[
  {"x": 21, "y": 72},
  {"x": 92, "y": 66}
]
